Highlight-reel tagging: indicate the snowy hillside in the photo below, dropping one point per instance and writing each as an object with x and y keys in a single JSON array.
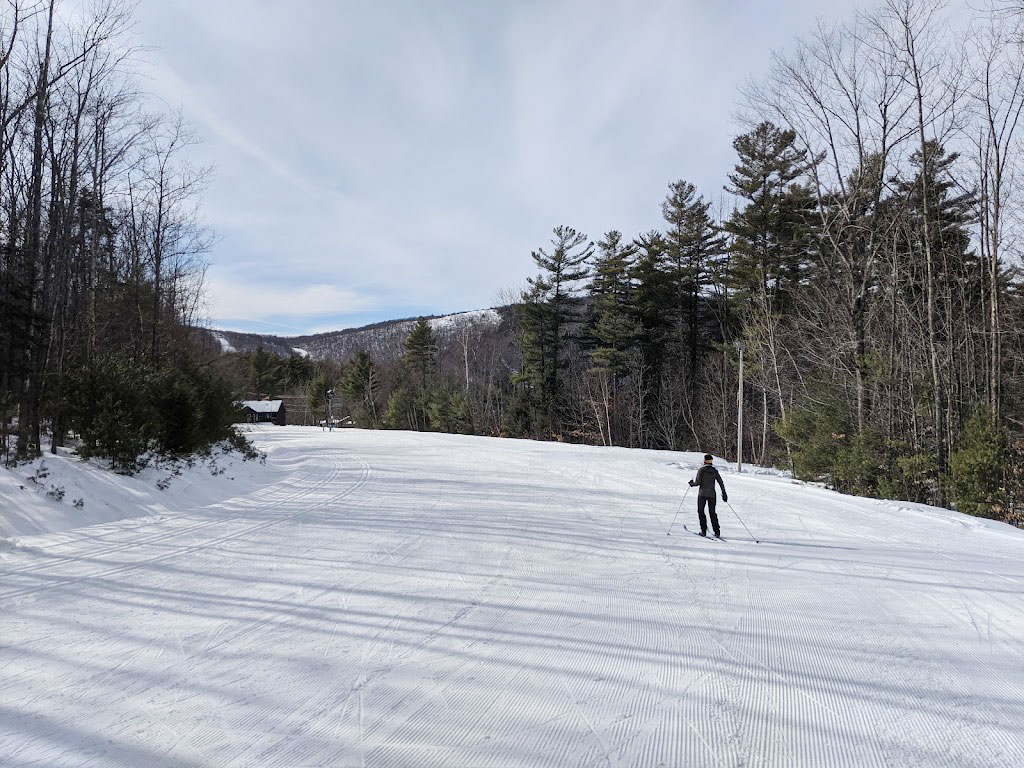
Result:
[
  {"x": 399, "y": 599},
  {"x": 384, "y": 341}
]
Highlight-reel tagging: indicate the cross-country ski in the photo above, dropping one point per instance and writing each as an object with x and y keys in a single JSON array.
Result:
[{"x": 711, "y": 536}]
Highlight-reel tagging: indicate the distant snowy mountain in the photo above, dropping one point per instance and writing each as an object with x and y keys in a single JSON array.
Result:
[{"x": 382, "y": 340}]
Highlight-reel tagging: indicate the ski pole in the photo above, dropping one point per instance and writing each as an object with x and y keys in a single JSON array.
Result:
[
  {"x": 756, "y": 541},
  {"x": 680, "y": 509}
]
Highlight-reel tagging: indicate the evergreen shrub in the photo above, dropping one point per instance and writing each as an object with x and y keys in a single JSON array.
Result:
[{"x": 978, "y": 468}]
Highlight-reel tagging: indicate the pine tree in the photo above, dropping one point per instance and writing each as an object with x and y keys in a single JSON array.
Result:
[
  {"x": 359, "y": 387},
  {"x": 978, "y": 467},
  {"x": 265, "y": 372},
  {"x": 693, "y": 245},
  {"x": 296, "y": 371},
  {"x": 945, "y": 280},
  {"x": 420, "y": 361},
  {"x": 549, "y": 314},
  {"x": 612, "y": 331},
  {"x": 770, "y": 233},
  {"x": 421, "y": 352},
  {"x": 950, "y": 212},
  {"x": 316, "y": 394},
  {"x": 651, "y": 297},
  {"x": 770, "y": 251},
  {"x": 613, "y": 325}
]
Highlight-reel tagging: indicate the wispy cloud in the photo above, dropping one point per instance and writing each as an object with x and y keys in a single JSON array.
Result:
[
  {"x": 266, "y": 300},
  {"x": 382, "y": 156},
  {"x": 174, "y": 89}
]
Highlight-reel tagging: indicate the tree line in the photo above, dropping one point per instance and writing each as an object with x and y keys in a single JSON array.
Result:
[
  {"x": 101, "y": 246},
  {"x": 868, "y": 265}
]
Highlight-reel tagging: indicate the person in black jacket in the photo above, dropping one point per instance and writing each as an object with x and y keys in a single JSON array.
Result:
[{"x": 706, "y": 478}]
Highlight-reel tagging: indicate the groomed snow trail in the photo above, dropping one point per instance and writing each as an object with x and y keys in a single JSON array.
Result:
[{"x": 396, "y": 599}]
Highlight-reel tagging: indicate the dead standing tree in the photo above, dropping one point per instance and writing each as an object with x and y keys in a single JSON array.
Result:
[
  {"x": 164, "y": 232},
  {"x": 844, "y": 96},
  {"x": 46, "y": 59},
  {"x": 912, "y": 29},
  {"x": 997, "y": 100}
]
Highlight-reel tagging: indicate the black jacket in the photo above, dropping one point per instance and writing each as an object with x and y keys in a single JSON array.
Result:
[{"x": 706, "y": 478}]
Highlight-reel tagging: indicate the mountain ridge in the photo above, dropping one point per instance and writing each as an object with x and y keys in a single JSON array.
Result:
[{"x": 383, "y": 340}]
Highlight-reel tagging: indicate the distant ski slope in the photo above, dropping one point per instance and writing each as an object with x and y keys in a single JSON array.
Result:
[
  {"x": 399, "y": 599},
  {"x": 384, "y": 341}
]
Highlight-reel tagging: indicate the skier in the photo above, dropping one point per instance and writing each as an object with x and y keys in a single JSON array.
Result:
[{"x": 706, "y": 478}]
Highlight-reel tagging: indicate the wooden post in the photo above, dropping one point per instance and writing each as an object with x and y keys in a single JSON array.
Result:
[{"x": 740, "y": 346}]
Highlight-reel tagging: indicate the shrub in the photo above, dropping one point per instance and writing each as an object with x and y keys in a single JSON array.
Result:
[
  {"x": 109, "y": 409},
  {"x": 817, "y": 437},
  {"x": 910, "y": 475},
  {"x": 447, "y": 411},
  {"x": 978, "y": 467},
  {"x": 402, "y": 409},
  {"x": 825, "y": 449},
  {"x": 860, "y": 462},
  {"x": 122, "y": 408}
]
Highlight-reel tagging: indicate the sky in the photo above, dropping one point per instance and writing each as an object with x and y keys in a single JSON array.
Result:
[{"x": 380, "y": 159}]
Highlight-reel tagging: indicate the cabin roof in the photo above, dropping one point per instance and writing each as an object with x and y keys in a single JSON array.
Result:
[{"x": 262, "y": 406}]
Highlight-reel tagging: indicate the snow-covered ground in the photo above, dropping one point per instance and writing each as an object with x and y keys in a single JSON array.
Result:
[
  {"x": 59, "y": 492},
  {"x": 397, "y": 599}
]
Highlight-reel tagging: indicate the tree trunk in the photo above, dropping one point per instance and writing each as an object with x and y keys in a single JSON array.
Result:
[{"x": 28, "y": 422}]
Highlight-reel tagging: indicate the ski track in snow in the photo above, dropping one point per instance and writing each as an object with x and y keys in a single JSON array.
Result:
[{"x": 392, "y": 599}]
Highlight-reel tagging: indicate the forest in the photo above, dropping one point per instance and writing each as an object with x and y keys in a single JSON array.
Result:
[
  {"x": 102, "y": 247},
  {"x": 862, "y": 255},
  {"x": 869, "y": 268}
]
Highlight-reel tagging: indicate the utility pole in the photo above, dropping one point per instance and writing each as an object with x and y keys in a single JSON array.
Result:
[{"x": 740, "y": 346}]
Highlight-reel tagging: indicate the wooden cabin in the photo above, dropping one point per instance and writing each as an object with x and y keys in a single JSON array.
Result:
[{"x": 264, "y": 411}]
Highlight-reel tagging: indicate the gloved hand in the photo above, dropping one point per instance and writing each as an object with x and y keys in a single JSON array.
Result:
[
  {"x": 725, "y": 496},
  {"x": 692, "y": 483}
]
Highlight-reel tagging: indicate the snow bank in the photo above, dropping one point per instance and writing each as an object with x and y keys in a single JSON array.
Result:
[{"x": 61, "y": 492}]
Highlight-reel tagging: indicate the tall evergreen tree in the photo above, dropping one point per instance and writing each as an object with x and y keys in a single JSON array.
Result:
[
  {"x": 651, "y": 296},
  {"x": 950, "y": 211},
  {"x": 612, "y": 332},
  {"x": 549, "y": 317},
  {"x": 770, "y": 237},
  {"x": 409, "y": 404},
  {"x": 613, "y": 325},
  {"x": 957, "y": 282},
  {"x": 316, "y": 394},
  {"x": 770, "y": 251},
  {"x": 693, "y": 244},
  {"x": 421, "y": 352},
  {"x": 265, "y": 372},
  {"x": 359, "y": 386}
]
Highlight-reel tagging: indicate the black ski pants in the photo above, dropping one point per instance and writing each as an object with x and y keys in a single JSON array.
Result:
[{"x": 710, "y": 501}]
